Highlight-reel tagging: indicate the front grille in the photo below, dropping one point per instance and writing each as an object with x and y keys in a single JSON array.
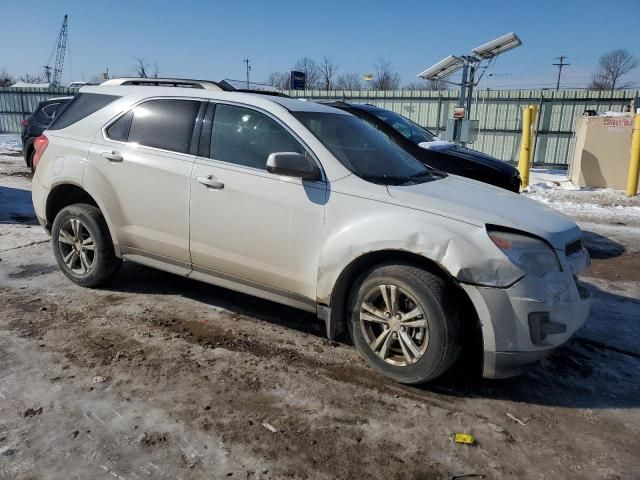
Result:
[{"x": 573, "y": 247}]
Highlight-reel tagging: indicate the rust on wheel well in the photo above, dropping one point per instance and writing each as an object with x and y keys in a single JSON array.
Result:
[
  {"x": 62, "y": 196},
  {"x": 341, "y": 290}
]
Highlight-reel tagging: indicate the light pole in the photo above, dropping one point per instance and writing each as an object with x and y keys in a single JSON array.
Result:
[{"x": 246, "y": 61}]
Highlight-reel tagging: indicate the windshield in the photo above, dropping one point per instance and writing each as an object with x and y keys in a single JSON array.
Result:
[
  {"x": 364, "y": 150},
  {"x": 405, "y": 127}
]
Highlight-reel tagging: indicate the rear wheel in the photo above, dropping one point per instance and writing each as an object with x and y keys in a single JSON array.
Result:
[
  {"x": 83, "y": 247},
  {"x": 30, "y": 162},
  {"x": 404, "y": 323}
]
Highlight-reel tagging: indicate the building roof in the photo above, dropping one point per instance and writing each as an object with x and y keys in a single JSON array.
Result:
[{"x": 30, "y": 85}]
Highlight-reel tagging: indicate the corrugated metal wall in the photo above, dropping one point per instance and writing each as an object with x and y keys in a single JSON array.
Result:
[
  {"x": 499, "y": 113},
  {"x": 17, "y": 103}
]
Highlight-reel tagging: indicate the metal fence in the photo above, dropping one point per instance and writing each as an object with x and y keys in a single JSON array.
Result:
[
  {"x": 499, "y": 112},
  {"x": 17, "y": 103}
]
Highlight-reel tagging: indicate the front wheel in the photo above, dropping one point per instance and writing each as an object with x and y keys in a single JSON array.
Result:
[
  {"x": 404, "y": 323},
  {"x": 83, "y": 247}
]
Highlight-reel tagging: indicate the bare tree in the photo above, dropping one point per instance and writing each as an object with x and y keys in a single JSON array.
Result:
[
  {"x": 280, "y": 80},
  {"x": 328, "y": 71},
  {"x": 385, "y": 78},
  {"x": 612, "y": 66},
  {"x": 6, "y": 79},
  {"x": 438, "y": 85},
  {"x": 29, "y": 78},
  {"x": 311, "y": 71},
  {"x": 349, "y": 81},
  {"x": 599, "y": 82},
  {"x": 426, "y": 85},
  {"x": 140, "y": 68},
  {"x": 143, "y": 70}
]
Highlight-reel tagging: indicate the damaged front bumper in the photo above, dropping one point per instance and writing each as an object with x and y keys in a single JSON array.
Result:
[{"x": 525, "y": 322}]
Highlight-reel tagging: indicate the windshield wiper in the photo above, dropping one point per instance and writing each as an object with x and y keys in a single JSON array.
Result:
[
  {"x": 426, "y": 175},
  {"x": 433, "y": 173}
]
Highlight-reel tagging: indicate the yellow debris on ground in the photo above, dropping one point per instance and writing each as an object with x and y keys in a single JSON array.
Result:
[{"x": 465, "y": 438}]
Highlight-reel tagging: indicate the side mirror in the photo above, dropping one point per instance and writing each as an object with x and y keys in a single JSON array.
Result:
[
  {"x": 292, "y": 164},
  {"x": 437, "y": 145}
]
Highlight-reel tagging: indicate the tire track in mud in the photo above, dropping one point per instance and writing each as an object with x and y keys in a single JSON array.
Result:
[
  {"x": 227, "y": 372},
  {"x": 232, "y": 410}
]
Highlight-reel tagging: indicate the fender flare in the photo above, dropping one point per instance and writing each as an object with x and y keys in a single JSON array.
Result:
[{"x": 97, "y": 201}]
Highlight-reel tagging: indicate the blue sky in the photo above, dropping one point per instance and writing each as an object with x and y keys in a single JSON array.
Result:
[{"x": 201, "y": 39}]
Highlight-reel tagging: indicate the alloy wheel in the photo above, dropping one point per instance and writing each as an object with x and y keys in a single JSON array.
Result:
[
  {"x": 76, "y": 246},
  {"x": 394, "y": 325}
]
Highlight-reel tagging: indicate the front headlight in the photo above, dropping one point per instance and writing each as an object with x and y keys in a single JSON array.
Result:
[{"x": 531, "y": 254}]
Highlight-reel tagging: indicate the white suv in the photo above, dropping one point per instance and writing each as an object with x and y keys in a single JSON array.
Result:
[{"x": 307, "y": 205}]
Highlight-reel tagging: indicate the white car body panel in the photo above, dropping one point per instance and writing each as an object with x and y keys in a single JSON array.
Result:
[
  {"x": 278, "y": 241},
  {"x": 144, "y": 177},
  {"x": 289, "y": 240}
]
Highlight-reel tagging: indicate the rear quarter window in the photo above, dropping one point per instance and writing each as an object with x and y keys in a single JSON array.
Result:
[
  {"x": 83, "y": 105},
  {"x": 48, "y": 111}
]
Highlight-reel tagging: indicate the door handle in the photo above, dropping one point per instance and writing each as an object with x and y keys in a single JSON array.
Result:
[
  {"x": 210, "y": 182},
  {"x": 112, "y": 156}
]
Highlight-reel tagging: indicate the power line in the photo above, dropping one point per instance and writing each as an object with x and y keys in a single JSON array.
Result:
[{"x": 560, "y": 65}]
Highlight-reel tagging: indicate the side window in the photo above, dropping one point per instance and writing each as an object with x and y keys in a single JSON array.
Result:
[
  {"x": 49, "y": 111},
  {"x": 166, "y": 124},
  {"x": 119, "y": 130},
  {"x": 246, "y": 137},
  {"x": 401, "y": 128}
]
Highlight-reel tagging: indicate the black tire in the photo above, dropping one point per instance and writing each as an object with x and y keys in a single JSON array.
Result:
[
  {"x": 32, "y": 152},
  {"x": 437, "y": 299},
  {"x": 105, "y": 264}
]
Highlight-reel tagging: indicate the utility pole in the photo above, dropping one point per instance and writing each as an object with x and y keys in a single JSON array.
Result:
[
  {"x": 560, "y": 65},
  {"x": 246, "y": 61}
]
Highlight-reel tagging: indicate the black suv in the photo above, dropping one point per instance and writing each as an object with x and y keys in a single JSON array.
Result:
[
  {"x": 456, "y": 160},
  {"x": 37, "y": 122}
]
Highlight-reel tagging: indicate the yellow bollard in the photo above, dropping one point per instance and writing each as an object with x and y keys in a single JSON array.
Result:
[
  {"x": 634, "y": 163},
  {"x": 524, "y": 160},
  {"x": 534, "y": 133}
]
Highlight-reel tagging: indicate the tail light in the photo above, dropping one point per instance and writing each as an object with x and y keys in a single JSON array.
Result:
[
  {"x": 39, "y": 145},
  {"x": 24, "y": 123}
]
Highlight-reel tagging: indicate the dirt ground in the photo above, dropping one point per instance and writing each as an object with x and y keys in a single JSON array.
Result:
[{"x": 161, "y": 377}]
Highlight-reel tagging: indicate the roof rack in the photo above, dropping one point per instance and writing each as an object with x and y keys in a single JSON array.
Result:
[
  {"x": 165, "y": 82},
  {"x": 230, "y": 85},
  {"x": 225, "y": 85}
]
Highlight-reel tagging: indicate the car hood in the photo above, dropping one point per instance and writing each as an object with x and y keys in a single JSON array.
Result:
[
  {"x": 482, "y": 204},
  {"x": 483, "y": 159}
]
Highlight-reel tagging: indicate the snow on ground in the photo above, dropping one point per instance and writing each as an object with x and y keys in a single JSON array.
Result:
[
  {"x": 10, "y": 142},
  {"x": 588, "y": 206},
  {"x": 19, "y": 226},
  {"x": 157, "y": 375}
]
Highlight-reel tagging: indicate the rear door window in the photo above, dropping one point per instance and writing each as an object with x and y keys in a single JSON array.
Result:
[{"x": 164, "y": 123}]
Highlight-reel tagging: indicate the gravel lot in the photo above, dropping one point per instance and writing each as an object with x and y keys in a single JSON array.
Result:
[{"x": 158, "y": 376}]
